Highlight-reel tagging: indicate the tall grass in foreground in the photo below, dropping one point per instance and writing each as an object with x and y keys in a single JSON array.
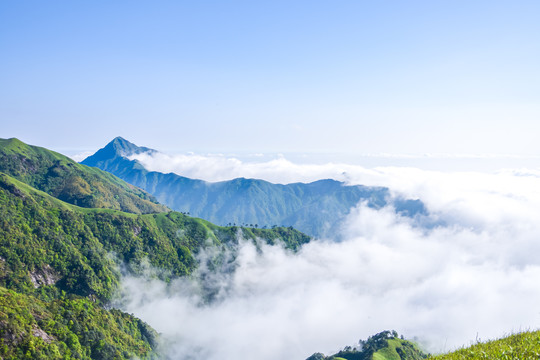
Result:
[{"x": 522, "y": 346}]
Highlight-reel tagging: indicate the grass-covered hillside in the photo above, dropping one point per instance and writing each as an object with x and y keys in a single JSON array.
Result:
[
  {"x": 70, "y": 181},
  {"x": 386, "y": 345},
  {"x": 44, "y": 240},
  {"x": 521, "y": 346},
  {"x": 69, "y": 328},
  {"x": 59, "y": 262}
]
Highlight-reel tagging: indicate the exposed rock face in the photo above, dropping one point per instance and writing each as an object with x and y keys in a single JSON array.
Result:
[
  {"x": 45, "y": 276},
  {"x": 38, "y": 332},
  {"x": 12, "y": 189},
  {"x": 136, "y": 230}
]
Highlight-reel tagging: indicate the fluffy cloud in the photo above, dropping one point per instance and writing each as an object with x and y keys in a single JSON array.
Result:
[
  {"x": 220, "y": 168},
  {"x": 310, "y": 167},
  {"x": 475, "y": 277}
]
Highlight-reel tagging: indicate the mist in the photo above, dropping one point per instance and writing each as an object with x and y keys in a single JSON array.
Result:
[
  {"x": 475, "y": 277},
  {"x": 308, "y": 167}
]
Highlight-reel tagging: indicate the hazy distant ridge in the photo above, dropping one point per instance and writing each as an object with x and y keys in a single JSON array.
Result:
[{"x": 315, "y": 208}]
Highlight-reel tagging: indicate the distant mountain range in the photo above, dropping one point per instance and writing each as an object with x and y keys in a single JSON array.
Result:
[{"x": 315, "y": 208}]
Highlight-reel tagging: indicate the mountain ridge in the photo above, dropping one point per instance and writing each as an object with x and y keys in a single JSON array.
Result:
[
  {"x": 70, "y": 181},
  {"x": 316, "y": 208},
  {"x": 57, "y": 271}
]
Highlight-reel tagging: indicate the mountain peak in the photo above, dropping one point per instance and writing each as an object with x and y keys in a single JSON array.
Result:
[
  {"x": 11, "y": 143},
  {"x": 119, "y": 139},
  {"x": 13, "y": 140},
  {"x": 123, "y": 147},
  {"x": 118, "y": 147}
]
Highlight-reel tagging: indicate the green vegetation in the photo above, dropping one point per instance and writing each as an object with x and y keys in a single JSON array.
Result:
[
  {"x": 382, "y": 346},
  {"x": 49, "y": 260},
  {"x": 387, "y": 346},
  {"x": 59, "y": 262},
  {"x": 69, "y": 328},
  {"x": 521, "y": 346},
  {"x": 44, "y": 241},
  {"x": 71, "y": 182}
]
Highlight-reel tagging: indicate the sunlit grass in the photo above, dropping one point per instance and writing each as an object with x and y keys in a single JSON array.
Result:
[{"x": 522, "y": 346}]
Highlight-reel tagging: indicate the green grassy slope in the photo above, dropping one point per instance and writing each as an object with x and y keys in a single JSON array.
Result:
[
  {"x": 70, "y": 181},
  {"x": 521, "y": 346},
  {"x": 398, "y": 349},
  {"x": 69, "y": 328},
  {"x": 58, "y": 265},
  {"x": 59, "y": 262},
  {"x": 42, "y": 237},
  {"x": 385, "y": 345}
]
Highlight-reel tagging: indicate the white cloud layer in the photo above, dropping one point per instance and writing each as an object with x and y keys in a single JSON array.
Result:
[
  {"x": 310, "y": 167},
  {"x": 477, "y": 276},
  {"x": 220, "y": 168}
]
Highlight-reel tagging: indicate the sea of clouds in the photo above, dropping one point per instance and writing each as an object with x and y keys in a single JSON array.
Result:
[
  {"x": 475, "y": 277},
  {"x": 306, "y": 167}
]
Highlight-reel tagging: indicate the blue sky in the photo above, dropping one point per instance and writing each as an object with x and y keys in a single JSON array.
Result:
[{"x": 352, "y": 77}]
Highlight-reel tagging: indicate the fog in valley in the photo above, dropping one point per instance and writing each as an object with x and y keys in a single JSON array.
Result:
[{"x": 472, "y": 276}]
